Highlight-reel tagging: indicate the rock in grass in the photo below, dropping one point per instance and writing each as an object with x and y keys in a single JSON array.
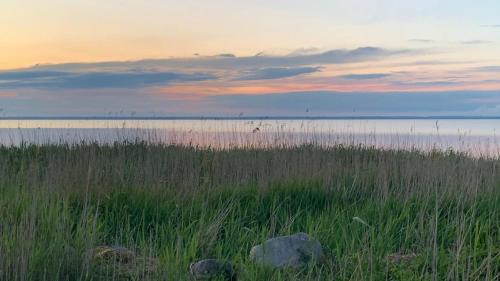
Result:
[
  {"x": 114, "y": 253},
  {"x": 120, "y": 263},
  {"x": 212, "y": 268},
  {"x": 293, "y": 251}
]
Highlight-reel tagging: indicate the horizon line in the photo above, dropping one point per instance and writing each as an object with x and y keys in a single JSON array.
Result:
[{"x": 256, "y": 117}]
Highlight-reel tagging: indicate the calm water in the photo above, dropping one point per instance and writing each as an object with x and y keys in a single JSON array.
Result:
[{"x": 475, "y": 136}]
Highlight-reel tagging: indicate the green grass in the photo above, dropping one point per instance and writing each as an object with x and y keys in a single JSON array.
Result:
[{"x": 175, "y": 205}]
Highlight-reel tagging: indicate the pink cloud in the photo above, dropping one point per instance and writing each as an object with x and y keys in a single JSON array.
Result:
[{"x": 313, "y": 84}]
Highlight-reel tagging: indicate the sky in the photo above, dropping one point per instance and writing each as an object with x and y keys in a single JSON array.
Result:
[{"x": 249, "y": 58}]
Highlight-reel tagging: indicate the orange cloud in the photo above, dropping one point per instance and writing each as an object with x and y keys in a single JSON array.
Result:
[{"x": 7, "y": 95}]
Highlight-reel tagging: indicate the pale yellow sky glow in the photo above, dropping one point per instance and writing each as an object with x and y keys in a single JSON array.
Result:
[{"x": 55, "y": 31}]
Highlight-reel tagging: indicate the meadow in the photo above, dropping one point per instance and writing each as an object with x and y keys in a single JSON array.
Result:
[{"x": 173, "y": 205}]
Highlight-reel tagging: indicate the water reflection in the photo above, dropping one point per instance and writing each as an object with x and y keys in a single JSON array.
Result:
[{"x": 476, "y": 137}]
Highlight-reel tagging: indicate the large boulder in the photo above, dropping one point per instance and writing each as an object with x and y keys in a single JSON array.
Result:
[
  {"x": 212, "y": 268},
  {"x": 293, "y": 251}
]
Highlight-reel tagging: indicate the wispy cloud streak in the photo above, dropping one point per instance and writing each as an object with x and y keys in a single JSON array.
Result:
[
  {"x": 95, "y": 80},
  {"x": 225, "y": 62},
  {"x": 278, "y": 72},
  {"x": 364, "y": 76}
]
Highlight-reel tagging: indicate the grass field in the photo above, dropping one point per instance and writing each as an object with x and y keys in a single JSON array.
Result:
[{"x": 173, "y": 205}]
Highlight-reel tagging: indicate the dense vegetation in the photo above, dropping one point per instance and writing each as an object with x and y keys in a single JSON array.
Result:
[{"x": 173, "y": 205}]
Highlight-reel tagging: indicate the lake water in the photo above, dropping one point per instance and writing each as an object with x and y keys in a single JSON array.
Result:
[{"x": 477, "y": 137}]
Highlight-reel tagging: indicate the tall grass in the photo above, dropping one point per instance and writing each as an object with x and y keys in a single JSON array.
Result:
[{"x": 176, "y": 204}]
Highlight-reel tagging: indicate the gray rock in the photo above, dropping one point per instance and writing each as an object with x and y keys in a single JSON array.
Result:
[
  {"x": 287, "y": 251},
  {"x": 212, "y": 268}
]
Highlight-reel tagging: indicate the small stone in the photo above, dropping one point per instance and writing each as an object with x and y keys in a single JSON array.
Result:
[
  {"x": 114, "y": 253},
  {"x": 212, "y": 268},
  {"x": 287, "y": 251},
  {"x": 122, "y": 263}
]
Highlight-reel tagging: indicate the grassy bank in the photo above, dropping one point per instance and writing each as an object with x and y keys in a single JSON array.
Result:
[{"x": 173, "y": 205}]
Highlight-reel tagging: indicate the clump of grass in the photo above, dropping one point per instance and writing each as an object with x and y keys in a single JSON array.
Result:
[{"x": 173, "y": 205}]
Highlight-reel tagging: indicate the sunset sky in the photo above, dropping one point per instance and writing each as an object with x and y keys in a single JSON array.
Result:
[{"x": 249, "y": 58}]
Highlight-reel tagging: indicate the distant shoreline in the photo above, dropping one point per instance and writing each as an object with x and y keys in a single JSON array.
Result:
[{"x": 254, "y": 118}]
